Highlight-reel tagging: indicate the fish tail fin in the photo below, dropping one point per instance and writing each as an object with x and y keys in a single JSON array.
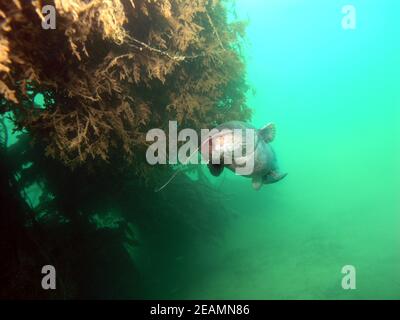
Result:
[{"x": 274, "y": 177}]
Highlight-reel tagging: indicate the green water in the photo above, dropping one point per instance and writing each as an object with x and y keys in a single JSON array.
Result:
[{"x": 334, "y": 96}]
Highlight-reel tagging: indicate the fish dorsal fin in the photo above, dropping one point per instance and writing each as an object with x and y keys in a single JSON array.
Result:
[
  {"x": 257, "y": 183},
  {"x": 268, "y": 132}
]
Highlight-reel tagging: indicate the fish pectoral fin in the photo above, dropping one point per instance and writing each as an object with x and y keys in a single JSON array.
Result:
[
  {"x": 215, "y": 169},
  {"x": 257, "y": 183},
  {"x": 268, "y": 132},
  {"x": 274, "y": 177}
]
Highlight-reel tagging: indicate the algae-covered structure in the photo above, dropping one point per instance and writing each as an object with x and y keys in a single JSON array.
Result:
[
  {"x": 113, "y": 69},
  {"x": 82, "y": 96}
]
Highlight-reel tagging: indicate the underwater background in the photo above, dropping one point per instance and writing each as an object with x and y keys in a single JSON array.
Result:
[{"x": 334, "y": 97}]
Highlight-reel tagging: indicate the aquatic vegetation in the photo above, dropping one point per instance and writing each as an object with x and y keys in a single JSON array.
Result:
[
  {"x": 109, "y": 72},
  {"x": 84, "y": 222},
  {"x": 114, "y": 69},
  {"x": 3, "y": 134}
]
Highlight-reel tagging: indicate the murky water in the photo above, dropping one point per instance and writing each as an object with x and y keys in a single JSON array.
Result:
[{"x": 334, "y": 96}]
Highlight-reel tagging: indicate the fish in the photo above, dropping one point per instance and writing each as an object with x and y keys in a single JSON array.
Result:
[
  {"x": 262, "y": 157},
  {"x": 223, "y": 142}
]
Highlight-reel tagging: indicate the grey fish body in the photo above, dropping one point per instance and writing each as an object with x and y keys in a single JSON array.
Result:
[{"x": 265, "y": 169}]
